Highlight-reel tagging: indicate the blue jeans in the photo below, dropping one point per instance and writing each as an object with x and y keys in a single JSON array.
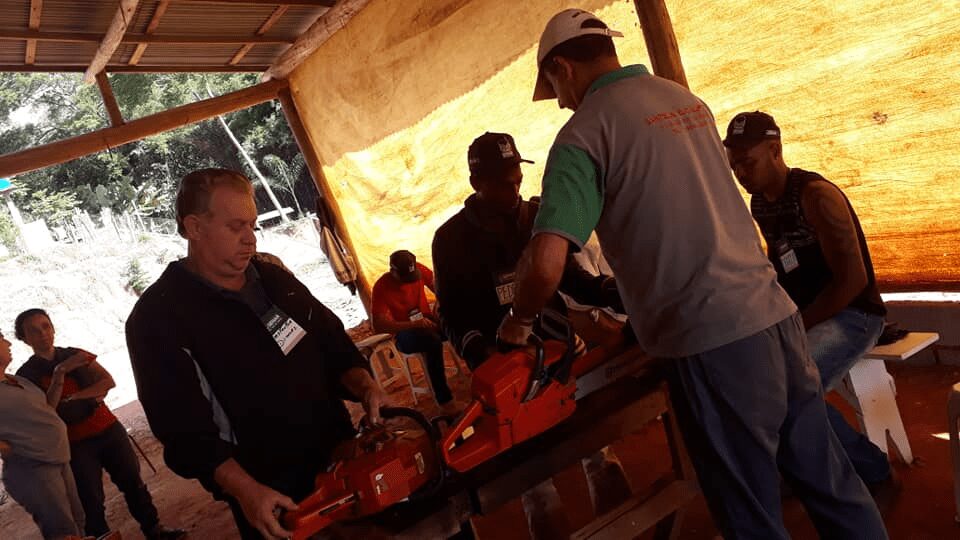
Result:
[
  {"x": 836, "y": 345},
  {"x": 753, "y": 409},
  {"x": 431, "y": 345}
]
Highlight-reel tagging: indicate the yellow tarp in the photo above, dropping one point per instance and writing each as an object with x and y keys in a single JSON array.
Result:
[{"x": 865, "y": 92}]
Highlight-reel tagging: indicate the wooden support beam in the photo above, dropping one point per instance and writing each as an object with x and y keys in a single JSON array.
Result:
[
  {"x": 267, "y": 24},
  {"x": 172, "y": 39},
  {"x": 109, "y": 100},
  {"x": 319, "y": 32},
  {"x": 139, "y": 68},
  {"x": 158, "y": 13},
  {"x": 83, "y": 145},
  {"x": 314, "y": 3},
  {"x": 660, "y": 39},
  {"x": 36, "y": 8},
  {"x": 111, "y": 40},
  {"x": 315, "y": 166}
]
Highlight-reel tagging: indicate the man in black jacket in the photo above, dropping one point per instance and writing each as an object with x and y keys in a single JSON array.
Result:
[
  {"x": 240, "y": 370},
  {"x": 475, "y": 254}
]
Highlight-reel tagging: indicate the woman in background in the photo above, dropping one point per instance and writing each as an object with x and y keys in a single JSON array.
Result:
[
  {"x": 98, "y": 440},
  {"x": 36, "y": 452}
]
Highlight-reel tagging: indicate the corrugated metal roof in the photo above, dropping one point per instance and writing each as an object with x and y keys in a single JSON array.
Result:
[{"x": 92, "y": 18}]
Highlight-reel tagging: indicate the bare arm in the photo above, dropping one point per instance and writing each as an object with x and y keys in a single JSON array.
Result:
[
  {"x": 385, "y": 324},
  {"x": 99, "y": 389},
  {"x": 257, "y": 500},
  {"x": 826, "y": 209},
  {"x": 55, "y": 390},
  {"x": 538, "y": 273},
  {"x": 5, "y": 449},
  {"x": 359, "y": 383}
]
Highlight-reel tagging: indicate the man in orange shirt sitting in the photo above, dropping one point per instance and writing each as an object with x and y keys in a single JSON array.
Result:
[{"x": 400, "y": 307}]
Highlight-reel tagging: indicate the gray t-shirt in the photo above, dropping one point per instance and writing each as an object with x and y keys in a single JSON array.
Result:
[
  {"x": 641, "y": 162},
  {"x": 30, "y": 425}
]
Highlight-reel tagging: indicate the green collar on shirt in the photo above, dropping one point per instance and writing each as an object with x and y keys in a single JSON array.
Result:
[{"x": 617, "y": 75}]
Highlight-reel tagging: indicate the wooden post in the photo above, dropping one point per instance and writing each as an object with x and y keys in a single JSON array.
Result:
[
  {"x": 660, "y": 39},
  {"x": 109, "y": 101},
  {"x": 316, "y": 170},
  {"x": 134, "y": 130}
]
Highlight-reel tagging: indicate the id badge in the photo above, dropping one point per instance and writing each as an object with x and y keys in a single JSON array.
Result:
[
  {"x": 788, "y": 257},
  {"x": 415, "y": 315},
  {"x": 283, "y": 329},
  {"x": 506, "y": 287}
]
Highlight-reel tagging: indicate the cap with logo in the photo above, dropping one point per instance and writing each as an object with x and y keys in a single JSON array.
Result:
[
  {"x": 403, "y": 265},
  {"x": 564, "y": 26},
  {"x": 493, "y": 153},
  {"x": 749, "y": 128}
]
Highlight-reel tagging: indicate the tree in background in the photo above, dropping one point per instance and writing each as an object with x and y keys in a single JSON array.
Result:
[{"x": 140, "y": 177}]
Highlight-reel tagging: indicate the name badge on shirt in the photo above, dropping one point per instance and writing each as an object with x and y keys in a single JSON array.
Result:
[
  {"x": 415, "y": 315},
  {"x": 788, "y": 257},
  {"x": 283, "y": 329},
  {"x": 506, "y": 287}
]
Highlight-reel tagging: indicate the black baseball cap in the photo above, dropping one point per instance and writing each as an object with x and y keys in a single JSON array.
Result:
[
  {"x": 749, "y": 128},
  {"x": 403, "y": 265},
  {"x": 493, "y": 153}
]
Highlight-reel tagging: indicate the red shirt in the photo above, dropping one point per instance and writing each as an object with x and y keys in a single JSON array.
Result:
[
  {"x": 396, "y": 300},
  {"x": 85, "y": 418}
]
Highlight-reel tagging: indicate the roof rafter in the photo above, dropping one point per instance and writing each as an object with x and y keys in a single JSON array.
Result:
[
  {"x": 139, "y": 68},
  {"x": 151, "y": 27},
  {"x": 267, "y": 24},
  {"x": 111, "y": 40},
  {"x": 89, "y": 37},
  {"x": 36, "y": 7},
  {"x": 319, "y": 32},
  {"x": 314, "y": 3}
]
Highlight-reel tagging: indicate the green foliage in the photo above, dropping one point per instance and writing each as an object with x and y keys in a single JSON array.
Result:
[
  {"x": 51, "y": 207},
  {"x": 137, "y": 280},
  {"x": 8, "y": 231},
  {"x": 142, "y": 176}
]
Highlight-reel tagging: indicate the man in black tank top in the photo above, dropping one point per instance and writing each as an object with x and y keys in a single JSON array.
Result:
[{"x": 815, "y": 242}]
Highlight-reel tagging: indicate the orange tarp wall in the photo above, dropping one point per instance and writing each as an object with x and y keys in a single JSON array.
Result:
[{"x": 864, "y": 92}]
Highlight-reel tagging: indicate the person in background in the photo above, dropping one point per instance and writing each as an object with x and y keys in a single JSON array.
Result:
[
  {"x": 98, "y": 440},
  {"x": 815, "y": 242},
  {"x": 400, "y": 307},
  {"x": 36, "y": 451},
  {"x": 475, "y": 254},
  {"x": 640, "y": 161}
]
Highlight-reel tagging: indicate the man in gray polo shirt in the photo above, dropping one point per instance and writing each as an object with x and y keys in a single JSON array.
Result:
[
  {"x": 641, "y": 162},
  {"x": 36, "y": 453}
]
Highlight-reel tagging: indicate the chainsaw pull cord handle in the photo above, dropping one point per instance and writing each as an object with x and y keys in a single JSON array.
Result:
[{"x": 538, "y": 374}]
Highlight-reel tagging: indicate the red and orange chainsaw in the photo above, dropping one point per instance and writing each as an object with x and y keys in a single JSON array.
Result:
[{"x": 516, "y": 396}]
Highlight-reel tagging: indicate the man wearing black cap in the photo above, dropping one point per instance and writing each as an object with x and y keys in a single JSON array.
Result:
[
  {"x": 816, "y": 244},
  {"x": 475, "y": 254},
  {"x": 400, "y": 307},
  {"x": 640, "y": 161}
]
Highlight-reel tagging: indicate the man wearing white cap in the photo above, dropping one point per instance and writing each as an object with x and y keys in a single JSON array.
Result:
[{"x": 641, "y": 162}]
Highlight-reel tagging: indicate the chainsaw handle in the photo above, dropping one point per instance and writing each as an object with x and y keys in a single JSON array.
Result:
[
  {"x": 538, "y": 374},
  {"x": 471, "y": 452}
]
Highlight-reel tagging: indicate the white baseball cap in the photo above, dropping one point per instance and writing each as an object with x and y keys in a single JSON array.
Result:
[{"x": 563, "y": 26}]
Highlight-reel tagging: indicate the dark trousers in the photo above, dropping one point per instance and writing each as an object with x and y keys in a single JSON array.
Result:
[
  {"x": 752, "y": 410},
  {"x": 430, "y": 344},
  {"x": 110, "y": 450}
]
